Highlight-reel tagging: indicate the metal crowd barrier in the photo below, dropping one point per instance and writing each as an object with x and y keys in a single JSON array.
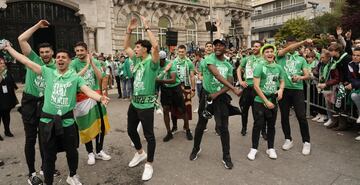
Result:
[{"x": 315, "y": 99}]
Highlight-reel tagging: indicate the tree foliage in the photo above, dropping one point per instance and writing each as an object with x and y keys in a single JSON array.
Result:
[
  {"x": 299, "y": 28},
  {"x": 350, "y": 19},
  {"x": 326, "y": 23}
]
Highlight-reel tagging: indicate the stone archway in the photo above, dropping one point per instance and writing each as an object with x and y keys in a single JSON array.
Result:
[{"x": 64, "y": 32}]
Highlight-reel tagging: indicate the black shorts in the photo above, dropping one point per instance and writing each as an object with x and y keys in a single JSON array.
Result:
[{"x": 172, "y": 97}]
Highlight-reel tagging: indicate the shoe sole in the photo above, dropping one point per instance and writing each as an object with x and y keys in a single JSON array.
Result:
[
  {"x": 98, "y": 158},
  {"x": 271, "y": 157},
  {"x": 197, "y": 155},
  {"x": 287, "y": 149},
  {"x": 139, "y": 162},
  {"x": 226, "y": 165}
]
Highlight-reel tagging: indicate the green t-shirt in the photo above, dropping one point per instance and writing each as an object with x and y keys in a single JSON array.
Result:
[
  {"x": 210, "y": 83},
  {"x": 120, "y": 69},
  {"x": 248, "y": 64},
  {"x": 184, "y": 67},
  {"x": 312, "y": 65},
  {"x": 60, "y": 93},
  {"x": 293, "y": 64},
  {"x": 167, "y": 75},
  {"x": 89, "y": 76},
  {"x": 145, "y": 73},
  {"x": 35, "y": 84},
  {"x": 270, "y": 76},
  {"x": 128, "y": 68}
]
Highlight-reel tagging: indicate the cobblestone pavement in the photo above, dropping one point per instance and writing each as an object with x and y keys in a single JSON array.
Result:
[{"x": 334, "y": 158}]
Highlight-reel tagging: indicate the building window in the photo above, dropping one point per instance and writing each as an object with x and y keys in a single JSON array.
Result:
[
  {"x": 164, "y": 24},
  {"x": 191, "y": 32},
  {"x": 138, "y": 32}
]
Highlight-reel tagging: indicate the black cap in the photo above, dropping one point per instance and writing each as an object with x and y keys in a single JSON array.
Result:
[{"x": 222, "y": 41}]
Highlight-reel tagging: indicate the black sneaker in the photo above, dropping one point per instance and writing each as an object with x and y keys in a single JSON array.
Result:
[
  {"x": 34, "y": 180},
  {"x": 56, "y": 173},
  {"x": 227, "y": 163},
  {"x": 168, "y": 137},
  {"x": 194, "y": 154},
  {"x": 9, "y": 134},
  {"x": 2, "y": 163},
  {"x": 217, "y": 132},
  {"x": 174, "y": 130},
  {"x": 1, "y": 138},
  {"x": 264, "y": 135},
  {"x": 189, "y": 135},
  {"x": 243, "y": 131}
]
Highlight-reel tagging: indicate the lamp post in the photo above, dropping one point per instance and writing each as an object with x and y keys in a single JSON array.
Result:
[
  {"x": 211, "y": 22},
  {"x": 314, "y": 6}
]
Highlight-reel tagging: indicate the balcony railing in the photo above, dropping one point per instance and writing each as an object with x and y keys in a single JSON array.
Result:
[{"x": 257, "y": 12}]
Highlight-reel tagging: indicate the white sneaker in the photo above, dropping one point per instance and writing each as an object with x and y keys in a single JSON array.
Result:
[
  {"x": 329, "y": 121},
  {"x": 358, "y": 120},
  {"x": 316, "y": 117},
  {"x": 357, "y": 138},
  {"x": 91, "y": 160},
  {"x": 272, "y": 154},
  {"x": 103, "y": 156},
  {"x": 252, "y": 154},
  {"x": 196, "y": 110},
  {"x": 148, "y": 172},
  {"x": 306, "y": 148},
  {"x": 288, "y": 144},
  {"x": 74, "y": 180},
  {"x": 137, "y": 159},
  {"x": 321, "y": 119}
]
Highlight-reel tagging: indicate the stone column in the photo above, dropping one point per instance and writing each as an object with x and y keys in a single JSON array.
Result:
[{"x": 90, "y": 31}]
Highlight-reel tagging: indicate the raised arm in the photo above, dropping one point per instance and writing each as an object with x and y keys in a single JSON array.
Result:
[
  {"x": 153, "y": 41},
  {"x": 24, "y": 37},
  {"x": 218, "y": 27},
  {"x": 83, "y": 70},
  {"x": 93, "y": 95},
  {"x": 96, "y": 69},
  {"x": 293, "y": 46},
  {"x": 221, "y": 79},
  {"x": 23, "y": 59},
  {"x": 132, "y": 25}
]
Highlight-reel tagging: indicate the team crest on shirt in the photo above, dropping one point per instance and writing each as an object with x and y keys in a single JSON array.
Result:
[
  {"x": 89, "y": 78},
  {"x": 138, "y": 82},
  {"x": 40, "y": 84},
  {"x": 59, "y": 96}
]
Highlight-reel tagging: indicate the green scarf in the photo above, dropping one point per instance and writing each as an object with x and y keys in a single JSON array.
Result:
[
  {"x": 140, "y": 65},
  {"x": 325, "y": 72},
  {"x": 187, "y": 71}
]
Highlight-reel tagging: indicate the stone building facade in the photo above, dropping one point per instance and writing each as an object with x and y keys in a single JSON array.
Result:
[{"x": 103, "y": 22}]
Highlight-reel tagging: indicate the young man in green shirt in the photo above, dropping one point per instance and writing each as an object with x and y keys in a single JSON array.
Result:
[
  {"x": 269, "y": 86},
  {"x": 246, "y": 69},
  {"x": 296, "y": 72},
  {"x": 57, "y": 129},
  {"x": 217, "y": 80},
  {"x": 92, "y": 73},
  {"x": 33, "y": 96},
  {"x": 185, "y": 72},
  {"x": 171, "y": 96},
  {"x": 146, "y": 65}
]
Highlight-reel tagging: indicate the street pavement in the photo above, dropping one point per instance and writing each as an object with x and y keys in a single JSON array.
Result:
[{"x": 334, "y": 159}]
